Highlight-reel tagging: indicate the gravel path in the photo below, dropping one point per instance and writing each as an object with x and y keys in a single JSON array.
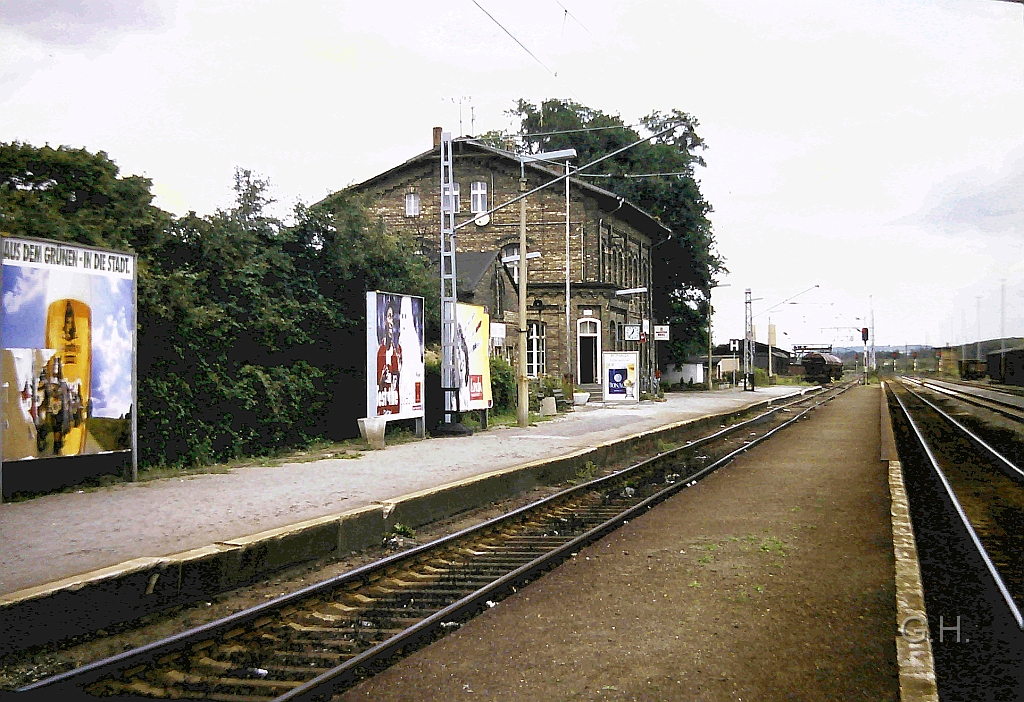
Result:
[
  {"x": 772, "y": 579},
  {"x": 60, "y": 535}
]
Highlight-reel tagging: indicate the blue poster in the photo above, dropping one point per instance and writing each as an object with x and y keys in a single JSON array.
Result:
[{"x": 617, "y": 381}]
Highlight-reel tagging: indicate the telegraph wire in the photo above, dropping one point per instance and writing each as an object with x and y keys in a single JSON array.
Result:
[
  {"x": 632, "y": 175},
  {"x": 574, "y": 131}
]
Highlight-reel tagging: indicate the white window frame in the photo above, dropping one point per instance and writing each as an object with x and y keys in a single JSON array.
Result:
[
  {"x": 412, "y": 205},
  {"x": 456, "y": 199},
  {"x": 536, "y": 351},
  {"x": 512, "y": 250},
  {"x": 478, "y": 196}
]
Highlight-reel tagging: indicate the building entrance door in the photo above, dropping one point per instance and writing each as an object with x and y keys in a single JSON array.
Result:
[{"x": 588, "y": 346}]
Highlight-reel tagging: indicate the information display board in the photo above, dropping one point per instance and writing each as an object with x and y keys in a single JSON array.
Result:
[
  {"x": 471, "y": 358},
  {"x": 68, "y": 343},
  {"x": 394, "y": 355},
  {"x": 619, "y": 381}
]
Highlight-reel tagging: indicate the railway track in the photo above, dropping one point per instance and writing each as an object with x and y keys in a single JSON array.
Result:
[
  {"x": 318, "y": 641},
  {"x": 1007, "y": 405},
  {"x": 967, "y": 504}
]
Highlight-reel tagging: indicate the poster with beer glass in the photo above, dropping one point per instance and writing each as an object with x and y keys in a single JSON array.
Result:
[
  {"x": 68, "y": 349},
  {"x": 394, "y": 355}
]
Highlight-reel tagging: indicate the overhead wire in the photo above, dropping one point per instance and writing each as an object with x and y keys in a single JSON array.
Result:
[
  {"x": 569, "y": 14},
  {"x": 523, "y": 46}
]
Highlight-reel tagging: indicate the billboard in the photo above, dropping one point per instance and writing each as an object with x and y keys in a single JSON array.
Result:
[
  {"x": 67, "y": 340},
  {"x": 394, "y": 355},
  {"x": 471, "y": 357},
  {"x": 620, "y": 376}
]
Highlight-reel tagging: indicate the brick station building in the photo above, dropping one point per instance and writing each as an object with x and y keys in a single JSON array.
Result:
[{"x": 610, "y": 243}]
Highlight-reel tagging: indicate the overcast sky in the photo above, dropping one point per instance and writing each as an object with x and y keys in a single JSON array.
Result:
[{"x": 871, "y": 148}]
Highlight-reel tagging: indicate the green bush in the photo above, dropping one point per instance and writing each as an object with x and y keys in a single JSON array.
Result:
[
  {"x": 503, "y": 384},
  {"x": 251, "y": 334}
]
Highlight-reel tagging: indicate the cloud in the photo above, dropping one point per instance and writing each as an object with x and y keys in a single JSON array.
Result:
[
  {"x": 29, "y": 286},
  {"x": 972, "y": 202},
  {"x": 77, "y": 22},
  {"x": 112, "y": 360}
]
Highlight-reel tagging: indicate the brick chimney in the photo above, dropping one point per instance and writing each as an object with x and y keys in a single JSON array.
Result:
[{"x": 437, "y": 137}]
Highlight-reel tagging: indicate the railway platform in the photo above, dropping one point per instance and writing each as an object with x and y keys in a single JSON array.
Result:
[
  {"x": 147, "y": 541},
  {"x": 772, "y": 578}
]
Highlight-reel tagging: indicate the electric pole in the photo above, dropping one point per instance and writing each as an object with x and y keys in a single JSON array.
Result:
[{"x": 748, "y": 342}]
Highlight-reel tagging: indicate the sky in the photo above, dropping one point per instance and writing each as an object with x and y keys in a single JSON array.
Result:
[{"x": 872, "y": 149}]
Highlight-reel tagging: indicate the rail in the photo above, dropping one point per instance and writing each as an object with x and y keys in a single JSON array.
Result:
[{"x": 324, "y": 637}]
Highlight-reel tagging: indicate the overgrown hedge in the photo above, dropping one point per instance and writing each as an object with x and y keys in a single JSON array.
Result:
[{"x": 251, "y": 334}]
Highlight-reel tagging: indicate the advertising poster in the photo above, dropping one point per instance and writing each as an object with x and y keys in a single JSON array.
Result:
[
  {"x": 620, "y": 376},
  {"x": 394, "y": 355},
  {"x": 68, "y": 349},
  {"x": 471, "y": 360}
]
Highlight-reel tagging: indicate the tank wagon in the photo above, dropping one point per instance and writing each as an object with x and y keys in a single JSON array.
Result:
[{"x": 822, "y": 367}]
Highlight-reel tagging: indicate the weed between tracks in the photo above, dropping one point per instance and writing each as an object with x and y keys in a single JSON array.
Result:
[{"x": 729, "y": 558}]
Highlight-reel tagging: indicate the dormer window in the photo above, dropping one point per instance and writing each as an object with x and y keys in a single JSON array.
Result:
[
  {"x": 412, "y": 205},
  {"x": 478, "y": 197}
]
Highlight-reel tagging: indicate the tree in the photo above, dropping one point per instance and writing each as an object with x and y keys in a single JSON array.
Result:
[
  {"x": 251, "y": 334},
  {"x": 73, "y": 195},
  {"x": 684, "y": 263}
]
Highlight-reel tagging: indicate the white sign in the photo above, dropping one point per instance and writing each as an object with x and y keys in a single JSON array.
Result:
[
  {"x": 498, "y": 333},
  {"x": 619, "y": 380},
  {"x": 661, "y": 332},
  {"x": 394, "y": 356}
]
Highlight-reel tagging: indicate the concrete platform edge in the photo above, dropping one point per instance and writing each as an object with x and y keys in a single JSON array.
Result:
[
  {"x": 913, "y": 647},
  {"x": 127, "y": 591}
]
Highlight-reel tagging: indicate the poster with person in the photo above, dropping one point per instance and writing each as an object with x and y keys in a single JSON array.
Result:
[
  {"x": 67, "y": 349},
  {"x": 472, "y": 365},
  {"x": 394, "y": 355}
]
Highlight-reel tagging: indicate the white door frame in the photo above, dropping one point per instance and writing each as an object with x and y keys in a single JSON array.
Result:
[{"x": 579, "y": 357}]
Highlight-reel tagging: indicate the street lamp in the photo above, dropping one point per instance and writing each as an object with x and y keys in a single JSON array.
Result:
[
  {"x": 448, "y": 229},
  {"x": 523, "y": 408},
  {"x": 646, "y": 371}
]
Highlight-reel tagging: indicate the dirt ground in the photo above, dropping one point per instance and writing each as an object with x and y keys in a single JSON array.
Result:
[{"x": 770, "y": 580}]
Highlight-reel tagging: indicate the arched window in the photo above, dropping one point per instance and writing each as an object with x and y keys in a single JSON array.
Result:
[{"x": 510, "y": 259}]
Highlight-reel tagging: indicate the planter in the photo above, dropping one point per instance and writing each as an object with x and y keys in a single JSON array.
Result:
[
  {"x": 580, "y": 398},
  {"x": 372, "y": 429}
]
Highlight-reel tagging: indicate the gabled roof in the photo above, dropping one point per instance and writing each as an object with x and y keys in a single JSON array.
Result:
[
  {"x": 609, "y": 201},
  {"x": 470, "y": 268}
]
